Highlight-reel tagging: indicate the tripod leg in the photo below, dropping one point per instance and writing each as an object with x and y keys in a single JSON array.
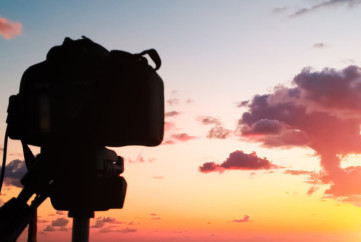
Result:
[
  {"x": 33, "y": 226},
  {"x": 80, "y": 229}
]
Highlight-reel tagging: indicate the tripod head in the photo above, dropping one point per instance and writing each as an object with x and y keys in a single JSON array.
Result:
[{"x": 79, "y": 100}]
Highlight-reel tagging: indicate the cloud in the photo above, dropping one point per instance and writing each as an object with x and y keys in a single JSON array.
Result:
[
  {"x": 101, "y": 221},
  {"x": 60, "y": 222},
  {"x": 219, "y": 132},
  {"x": 262, "y": 126},
  {"x": 155, "y": 216},
  {"x": 298, "y": 172},
  {"x": 14, "y": 171},
  {"x": 242, "y": 104},
  {"x": 312, "y": 190},
  {"x": 125, "y": 230},
  {"x": 9, "y": 29},
  {"x": 238, "y": 160},
  {"x": 171, "y": 114},
  {"x": 49, "y": 228},
  {"x": 321, "y": 111},
  {"x": 245, "y": 219},
  {"x": 168, "y": 126},
  {"x": 325, "y": 4},
  {"x": 319, "y": 46},
  {"x": 158, "y": 177},
  {"x": 182, "y": 137},
  {"x": 208, "y": 120}
]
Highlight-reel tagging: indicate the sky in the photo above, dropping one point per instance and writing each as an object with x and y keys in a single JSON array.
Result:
[{"x": 262, "y": 116}]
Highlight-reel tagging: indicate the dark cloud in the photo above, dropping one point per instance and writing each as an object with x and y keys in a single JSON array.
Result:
[
  {"x": 208, "y": 120},
  {"x": 171, "y": 114},
  {"x": 101, "y": 221},
  {"x": 322, "y": 112},
  {"x": 245, "y": 219},
  {"x": 262, "y": 126},
  {"x": 242, "y": 104},
  {"x": 127, "y": 230},
  {"x": 325, "y": 4},
  {"x": 238, "y": 160},
  {"x": 49, "y": 228},
  {"x": 59, "y": 222},
  {"x": 9, "y": 29},
  {"x": 14, "y": 171}
]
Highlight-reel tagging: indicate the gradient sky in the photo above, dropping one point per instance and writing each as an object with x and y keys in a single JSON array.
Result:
[{"x": 263, "y": 115}]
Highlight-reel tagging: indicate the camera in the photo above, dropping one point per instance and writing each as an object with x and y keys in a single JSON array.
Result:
[{"x": 83, "y": 91}]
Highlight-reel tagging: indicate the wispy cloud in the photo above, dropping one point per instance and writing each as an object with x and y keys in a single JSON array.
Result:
[
  {"x": 319, "y": 45},
  {"x": 9, "y": 29},
  {"x": 245, "y": 219},
  {"x": 171, "y": 114},
  {"x": 325, "y": 4}
]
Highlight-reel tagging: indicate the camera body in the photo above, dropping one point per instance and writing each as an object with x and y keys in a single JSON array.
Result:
[{"x": 83, "y": 91}]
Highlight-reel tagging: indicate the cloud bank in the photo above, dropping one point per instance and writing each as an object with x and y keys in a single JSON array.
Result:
[{"x": 323, "y": 112}]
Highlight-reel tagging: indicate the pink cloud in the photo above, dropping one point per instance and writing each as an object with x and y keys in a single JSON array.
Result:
[
  {"x": 158, "y": 177},
  {"x": 238, "y": 160},
  {"x": 323, "y": 112},
  {"x": 155, "y": 216},
  {"x": 312, "y": 190},
  {"x": 182, "y": 137},
  {"x": 245, "y": 219},
  {"x": 9, "y": 29},
  {"x": 298, "y": 172},
  {"x": 168, "y": 126}
]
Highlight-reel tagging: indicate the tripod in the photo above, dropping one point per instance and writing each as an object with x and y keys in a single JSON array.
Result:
[{"x": 87, "y": 181}]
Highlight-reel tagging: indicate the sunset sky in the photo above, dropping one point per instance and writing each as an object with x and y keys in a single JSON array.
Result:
[{"x": 263, "y": 112}]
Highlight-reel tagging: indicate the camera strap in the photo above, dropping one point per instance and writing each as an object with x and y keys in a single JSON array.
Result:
[{"x": 153, "y": 54}]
